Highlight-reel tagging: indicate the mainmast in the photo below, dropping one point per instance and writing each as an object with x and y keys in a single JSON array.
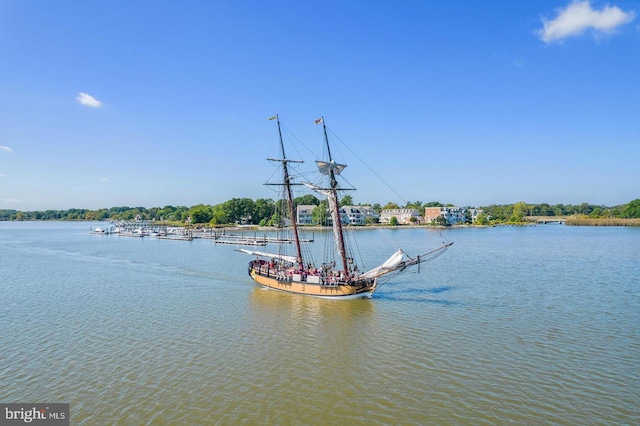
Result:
[
  {"x": 287, "y": 185},
  {"x": 337, "y": 220}
]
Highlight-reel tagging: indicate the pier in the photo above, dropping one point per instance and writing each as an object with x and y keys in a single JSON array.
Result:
[
  {"x": 161, "y": 231},
  {"x": 546, "y": 220}
]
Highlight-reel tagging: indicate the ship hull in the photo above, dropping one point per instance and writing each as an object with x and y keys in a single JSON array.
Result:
[{"x": 343, "y": 291}]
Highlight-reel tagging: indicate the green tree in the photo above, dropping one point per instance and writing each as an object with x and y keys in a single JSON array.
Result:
[
  {"x": 263, "y": 210},
  {"x": 240, "y": 210},
  {"x": 482, "y": 219},
  {"x": 152, "y": 213},
  {"x": 181, "y": 214},
  {"x": 616, "y": 211},
  {"x": 631, "y": 210},
  {"x": 441, "y": 221},
  {"x": 347, "y": 200},
  {"x": 498, "y": 212},
  {"x": 102, "y": 214},
  {"x": 559, "y": 210},
  {"x": 280, "y": 214},
  {"x": 306, "y": 200},
  {"x": 519, "y": 212},
  {"x": 543, "y": 209},
  {"x": 596, "y": 213},
  {"x": 585, "y": 208},
  {"x": 276, "y": 220},
  {"x": 390, "y": 206},
  {"x": 393, "y": 221},
  {"x": 319, "y": 214},
  {"x": 166, "y": 213},
  {"x": 201, "y": 214},
  {"x": 218, "y": 215},
  {"x": 6, "y": 214}
]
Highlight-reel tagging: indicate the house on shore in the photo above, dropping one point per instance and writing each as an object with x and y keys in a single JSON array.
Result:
[
  {"x": 452, "y": 215},
  {"x": 358, "y": 215},
  {"x": 403, "y": 216},
  {"x": 349, "y": 215},
  {"x": 303, "y": 214}
]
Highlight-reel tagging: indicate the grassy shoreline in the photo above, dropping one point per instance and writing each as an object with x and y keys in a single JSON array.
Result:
[{"x": 586, "y": 221}]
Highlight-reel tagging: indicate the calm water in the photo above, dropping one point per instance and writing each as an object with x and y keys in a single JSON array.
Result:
[{"x": 512, "y": 325}]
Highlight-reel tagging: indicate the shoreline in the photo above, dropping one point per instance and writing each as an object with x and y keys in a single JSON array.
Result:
[{"x": 566, "y": 221}]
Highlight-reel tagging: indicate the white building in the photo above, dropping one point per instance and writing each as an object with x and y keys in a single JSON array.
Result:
[
  {"x": 358, "y": 215},
  {"x": 402, "y": 215},
  {"x": 303, "y": 214},
  {"x": 453, "y": 215},
  {"x": 349, "y": 215}
]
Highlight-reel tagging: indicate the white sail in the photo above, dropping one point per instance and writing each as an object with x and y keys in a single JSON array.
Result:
[
  {"x": 325, "y": 167},
  {"x": 284, "y": 257},
  {"x": 331, "y": 198},
  {"x": 335, "y": 217},
  {"x": 388, "y": 266},
  {"x": 319, "y": 190}
]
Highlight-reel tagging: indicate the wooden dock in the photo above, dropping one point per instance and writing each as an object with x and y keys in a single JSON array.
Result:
[{"x": 161, "y": 231}]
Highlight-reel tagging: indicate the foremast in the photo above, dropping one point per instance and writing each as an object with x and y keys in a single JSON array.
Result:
[
  {"x": 334, "y": 203},
  {"x": 287, "y": 188}
]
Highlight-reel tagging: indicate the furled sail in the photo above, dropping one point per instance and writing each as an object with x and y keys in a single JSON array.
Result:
[
  {"x": 325, "y": 167},
  {"x": 331, "y": 198},
  {"x": 284, "y": 257},
  {"x": 389, "y": 265}
]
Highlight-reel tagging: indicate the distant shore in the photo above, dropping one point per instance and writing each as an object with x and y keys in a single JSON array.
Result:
[
  {"x": 529, "y": 221},
  {"x": 577, "y": 220}
]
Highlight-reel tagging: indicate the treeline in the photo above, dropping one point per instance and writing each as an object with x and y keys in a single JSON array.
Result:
[
  {"x": 518, "y": 212},
  {"x": 235, "y": 211},
  {"x": 264, "y": 211}
]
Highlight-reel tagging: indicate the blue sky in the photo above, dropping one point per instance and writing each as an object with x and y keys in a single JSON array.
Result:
[{"x": 154, "y": 103}]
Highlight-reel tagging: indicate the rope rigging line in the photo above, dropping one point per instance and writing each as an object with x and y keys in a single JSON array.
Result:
[
  {"x": 291, "y": 135},
  {"x": 367, "y": 166},
  {"x": 423, "y": 258},
  {"x": 356, "y": 250}
]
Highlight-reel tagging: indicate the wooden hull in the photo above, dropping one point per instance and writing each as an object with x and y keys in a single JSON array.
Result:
[{"x": 363, "y": 289}]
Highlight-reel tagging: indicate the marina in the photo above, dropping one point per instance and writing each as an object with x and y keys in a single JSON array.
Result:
[{"x": 219, "y": 235}]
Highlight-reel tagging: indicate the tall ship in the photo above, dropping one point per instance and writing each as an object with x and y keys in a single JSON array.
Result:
[{"x": 338, "y": 276}]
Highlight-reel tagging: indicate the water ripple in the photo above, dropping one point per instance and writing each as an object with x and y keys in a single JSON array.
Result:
[{"x": 525, "y": 326}]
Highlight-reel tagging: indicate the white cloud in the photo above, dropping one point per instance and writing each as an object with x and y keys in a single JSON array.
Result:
[
  {"x": 2, "y": 175},
  {"x": 88, "y": 100},
  {"x": 578, "y": 17},
  {"x": 12, "y": 200},
  {"x": 5, "y": 148},
  {"x": 104, "y": 179}
]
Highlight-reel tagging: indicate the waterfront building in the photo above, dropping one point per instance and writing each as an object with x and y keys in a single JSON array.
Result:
[
  {"x": 349, "y": 215},
  {"x": 303, "y": 214},
  {"x": 402, "y": 215},
  {"x": 452, "y": 215},
  {"x": 358, "y": 215}
]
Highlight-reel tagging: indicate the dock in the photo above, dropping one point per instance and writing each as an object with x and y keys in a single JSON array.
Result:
[{"x": 152, "y": 229}]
